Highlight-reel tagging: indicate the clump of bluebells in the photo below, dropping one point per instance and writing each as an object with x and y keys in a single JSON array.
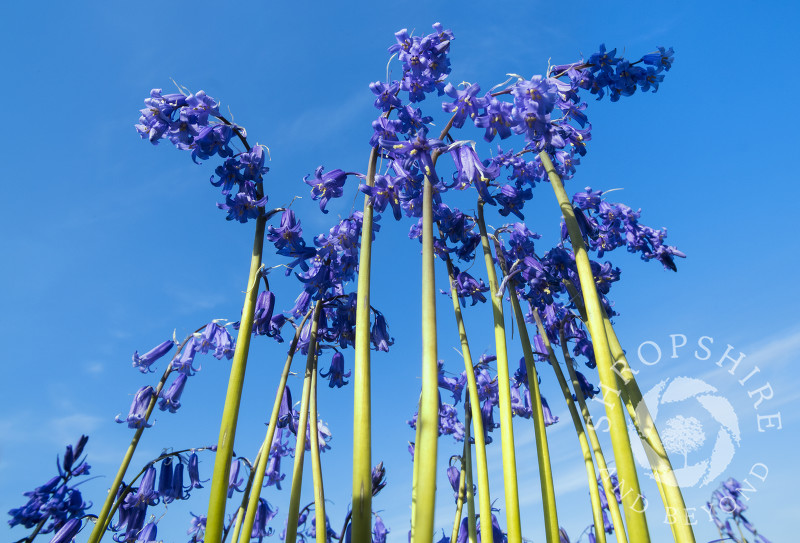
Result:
[
  {"x": 606, "y": 226},
  {"x": 57, "y": 505},
  {"x": 449, "y": 422},
  {"x": 193, "y": 123},
  {"x": 163, "y": 481},
  {"x": 546, "y": 113},
  {"x": 726, "y": 508},
  {"x": 213, "y": 338}
]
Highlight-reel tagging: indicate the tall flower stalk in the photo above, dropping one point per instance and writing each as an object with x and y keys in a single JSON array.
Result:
[
  {"x": 626, "y": 469},
  {"x": 316, "y": 462},
  {"x": 542, "y": 449},
  {"x": 594, "y": 495},
  {"x": 472, "y": 537},
  {"x": 261, "y": 465},
  {"x": 602, "y": 466},
  {"x": 230, "y": 412},
  {"x": 462, "y": 492},
  {"x": 362, "y": 395},
  {"x": 680, "y": 522},
  {"x": 426, "y": 446},
  {"x": 631, "y": 395},
  {"x": 300, "y": 447},
  {"x": 473, "y": 413},
  {"x": 504, "y": 393}
]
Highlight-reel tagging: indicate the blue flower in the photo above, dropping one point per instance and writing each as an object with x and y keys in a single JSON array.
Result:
[
  {"x": 327, "y": 186},
  {"x": 549, "y": 418},
  {"x": 171, "y": 398},
  {"x": 336, "y": 373},
  {"x": 146, "y": 360},
  {"x": 136, "y": 415}
]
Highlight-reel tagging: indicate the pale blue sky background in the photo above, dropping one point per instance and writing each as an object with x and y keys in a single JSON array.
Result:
[{"x": 110, "y": 244}]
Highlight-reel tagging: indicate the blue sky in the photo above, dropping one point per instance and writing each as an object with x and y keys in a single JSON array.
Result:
[{"x": 111, "y": 244}]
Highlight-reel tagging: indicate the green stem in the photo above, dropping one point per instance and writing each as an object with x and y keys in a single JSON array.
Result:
[
  {"x": 362, "y": 402},
  {"x": 248, "y": 491},
  {"x": 261, "y": 465},
  {"x": 504, "y": 392},
  {"x": 594, "y": 493},
  {"x": 35, "y": 531},
  {"x": 542, "y": 449},
  {"x": 347, "y": 518},
  {"x": 642, "y": 420},
  {"x": 425, "y": 454},
  {"x": 237, "y": 525},
  {"x": 230, "y": 413},
  {"x": 485, "y": 501},
  {"x": 656, "y": 453},
  {"x": 462, "y": 488},
  {"x": 471, "y": 532},
  {"x": 626, "y": 469},
  {"x": 605, "y": 477},
  {"x": 316, "y": 463},
  {"x": 300, "y": 447}
]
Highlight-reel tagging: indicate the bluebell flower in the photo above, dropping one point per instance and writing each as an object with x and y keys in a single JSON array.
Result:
[
  {"x": 68, "y": 531},
  {"x": 148, "y": 534},
  {"x": 378, "y": 478},
  {"x": 212, "y": 140},
  {"x": 588, "y": 389},
  {"x": 194, "y": 472},
  {"x": 165, "y": 478},
  {"x": 146, "y": 360},
  {"x": 662, "y": 59},
  {"x": 466, "y": 285},
  {"x": 176, "y": 491},
  {"x": 454, "y": 476},
  {"x": 132, "y": 513},
  {"x": 452, "y": 384},
  {"x": 197, "y": 528},
  {"x": 159, "y": 114},
  {"x": 336, "y": 372},
  {"x": 234, "y": 483},
  {"x": 386, "y": 95},
  {"x": 136, "y": 415},
  {"x": 379, "y": 530},
  {"x": 183, "y": 361},
  {"x": 549, "y": 418},
  {"x": 326, "y": 186},
  {"x": 171, "y": 398},
  {"x": 380, "y": 333},
  {"x": 146, "y": 493},
  {"x": 273, "y": 470},
  {"x": 242, "y": 207},
  {"x": 521, "y": 401},
  {"x": 264, "y": 513},
  {"x": 466, "y": 105}
]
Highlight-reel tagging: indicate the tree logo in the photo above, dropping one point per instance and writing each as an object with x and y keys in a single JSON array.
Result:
[{"x": 689, "y": 412}]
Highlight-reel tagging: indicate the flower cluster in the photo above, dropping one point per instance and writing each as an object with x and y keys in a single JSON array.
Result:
[
  {"x": 425, "y": 64},
  {"x": 56, "y": 504},
  {"x": 186, "y": 121},
  {"x": 488, "y": 396},
  {"x": 162, "y": 485},
  {"x": 213, "y": 338},
  {"x": 606, "y": 226},
  {"x": 727, "y": 500}
]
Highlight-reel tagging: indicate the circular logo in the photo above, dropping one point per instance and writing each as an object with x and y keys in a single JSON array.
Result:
[{"x": 699, "y": 429}]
